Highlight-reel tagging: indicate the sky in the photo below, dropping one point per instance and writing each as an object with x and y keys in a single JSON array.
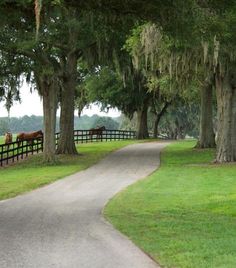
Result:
[{"x": 31, "y": 104}]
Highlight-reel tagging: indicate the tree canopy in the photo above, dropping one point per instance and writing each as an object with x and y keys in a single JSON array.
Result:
[{"x": 135, "y": 55}]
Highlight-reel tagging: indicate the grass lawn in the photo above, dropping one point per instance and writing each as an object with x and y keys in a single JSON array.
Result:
[
  {"x": 32, "y": 173},
  {"x": 184, "y": 214}
]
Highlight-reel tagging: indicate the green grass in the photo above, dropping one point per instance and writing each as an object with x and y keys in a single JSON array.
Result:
[
  {"x": 2, "y": 139},
  {"x": 184, "y": 214},
  {"x": 32, "y": 173}
]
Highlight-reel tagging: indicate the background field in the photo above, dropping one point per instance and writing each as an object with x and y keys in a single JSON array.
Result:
[
  {"x": 184, "y": 215},
  {"x": 2, "y": 138}
]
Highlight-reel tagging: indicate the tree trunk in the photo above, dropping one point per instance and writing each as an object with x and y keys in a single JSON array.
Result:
[
  {"x": 226, "y": 104},
  {"x": 158, "y": 118},
  {"x": 142, "y": 131},
  {"x": 49, "y": 94},
  {"x": 207, "y": 135},
  {"x": 66, "y": 144},
  {"x": 155, "y": 128}
]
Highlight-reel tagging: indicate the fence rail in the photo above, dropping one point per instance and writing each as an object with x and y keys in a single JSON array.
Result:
[
  {"x": 84, "y": 136},
  {"x": 9, "y": 153},
  {"x": 18, "y": 150}
]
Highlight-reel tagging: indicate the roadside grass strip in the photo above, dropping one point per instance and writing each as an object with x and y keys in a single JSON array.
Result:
[
  {"x": 33, "y": 173},
  {"x": 184, "y": 214}
]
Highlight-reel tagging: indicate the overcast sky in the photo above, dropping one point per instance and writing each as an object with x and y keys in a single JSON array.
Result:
[{"x": 32, "y": 105}]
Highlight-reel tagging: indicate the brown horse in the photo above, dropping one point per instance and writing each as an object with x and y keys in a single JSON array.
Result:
[
  {"x": 96, "y": 131},
  {"x": 8, "y": 138},
  {"x": 29, "y": 137}
]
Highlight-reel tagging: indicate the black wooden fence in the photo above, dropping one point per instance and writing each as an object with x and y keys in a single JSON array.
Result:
[
  {"x": 83, "y": 136},
  {"x": 18, "y": 150},
  {"x": 15, "y": 151}
]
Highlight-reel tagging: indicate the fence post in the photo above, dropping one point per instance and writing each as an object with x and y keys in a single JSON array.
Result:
[
  {"x": 31, "y": 147},
  {"x": 1, "y": 155},
  {"x": 23, "y": 148},
  {"x": 13, "y": 152},
  {"x": 26, "y": 148}
]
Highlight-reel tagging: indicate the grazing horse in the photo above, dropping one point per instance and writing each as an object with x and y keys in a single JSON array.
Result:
[
  {"x": 96, "y": 131},
  {"x": 8, "y": 138},
  {"x": 29, "y": 137}
]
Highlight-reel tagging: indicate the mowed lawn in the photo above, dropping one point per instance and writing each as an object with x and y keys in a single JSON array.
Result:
[
  {"x": 32, "y": 173},
  {"x": 183, "y": 215}
]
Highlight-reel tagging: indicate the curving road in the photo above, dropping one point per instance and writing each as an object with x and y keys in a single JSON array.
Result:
[{"x": 61, "y": 225}]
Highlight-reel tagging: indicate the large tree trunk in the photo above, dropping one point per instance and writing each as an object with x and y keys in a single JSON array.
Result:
[
  {"x": 49, "y": 93},
  {"x": 142, "y": 131},
  {"x": 226, "y": 104},
  {"x": 158, "y": 118},
  {"x": 66, "y": 144},
  {"x": 207, "y": 135}
]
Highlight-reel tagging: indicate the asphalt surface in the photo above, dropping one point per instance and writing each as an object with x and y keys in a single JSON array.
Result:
[{"x": 61, "y": 225}]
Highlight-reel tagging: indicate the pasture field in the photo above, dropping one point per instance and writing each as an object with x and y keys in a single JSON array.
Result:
[
  {"x": 184, "y": 214},
  {"x": 32, "y": 173},
  {"x": 2, "y": 139}
]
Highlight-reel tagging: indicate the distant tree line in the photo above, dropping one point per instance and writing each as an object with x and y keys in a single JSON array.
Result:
[
  {"x": 33, "y": 123},
  {"x": 177, "y": 122}
]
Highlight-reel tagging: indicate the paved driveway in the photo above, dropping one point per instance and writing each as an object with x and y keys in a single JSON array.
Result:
[{"x": 61, "y": 225}]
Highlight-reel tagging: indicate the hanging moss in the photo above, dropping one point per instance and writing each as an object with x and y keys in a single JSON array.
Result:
[
  {"x": 156, "y": 54},
  {"x": 216, "y": 52},
  {"x": 205, "y": 46},
  {"x": 151, "y": 41},
  {"x": 37, "y": 8}
]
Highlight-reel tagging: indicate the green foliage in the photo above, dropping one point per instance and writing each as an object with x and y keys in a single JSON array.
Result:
[
  {"x": 87, "y": 122},
  {"x": 4, "y": 127},
  {"x": 180, "y": 120},
  {"x": 127, "y": 123},
  {"x": 25, "y": 123},
  {"x": 184, "y": 214},
  {"x": 33, "y": 123},
  {"x": 133, "y": 41},
  {"x": 107, "y": 122},
  {"x": 175, "y": 47},
  {"x": 81, "y": 93},
  {"x": 11, "y": 68},
  {"x": 107, "y": 87}
]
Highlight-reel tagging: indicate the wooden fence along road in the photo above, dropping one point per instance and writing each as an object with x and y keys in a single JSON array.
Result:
[{"x": 15, "y": 151}]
